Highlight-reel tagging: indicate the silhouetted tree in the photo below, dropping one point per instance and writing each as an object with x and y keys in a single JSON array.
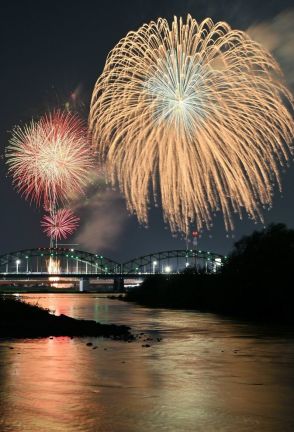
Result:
[
  {"x": 266, "y": 255},
  {"x": 256, "y": 281}
]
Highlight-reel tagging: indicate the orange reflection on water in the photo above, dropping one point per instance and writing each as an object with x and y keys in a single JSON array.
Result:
[
  {"x": 208, "y": 372},
  {"x": 52, "y": 379}
]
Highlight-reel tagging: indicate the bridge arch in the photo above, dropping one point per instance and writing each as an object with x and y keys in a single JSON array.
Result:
[
  {"x": 73, "y": 261},
  {"x": 173, "y": 261},
  {"x": 67, "y": 261}
]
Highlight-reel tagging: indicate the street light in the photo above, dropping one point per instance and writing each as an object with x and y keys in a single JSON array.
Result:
[
  {"x": 167, "y": 269},
  {"x": 217, "y": 264},
  {"x": 154, "y": 264},
  {"x": 17, "y": 264}
]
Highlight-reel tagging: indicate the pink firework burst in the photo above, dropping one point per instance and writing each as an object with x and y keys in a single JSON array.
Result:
[
  {"x": 60, "y": 224},
  {"x": 50, "y": 159}
]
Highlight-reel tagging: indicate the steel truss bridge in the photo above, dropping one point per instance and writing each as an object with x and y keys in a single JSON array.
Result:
[{"x": 63, "y": 262}]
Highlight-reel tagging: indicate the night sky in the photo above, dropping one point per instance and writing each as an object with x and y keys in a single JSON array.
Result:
[{"x": 52, "y": 51}]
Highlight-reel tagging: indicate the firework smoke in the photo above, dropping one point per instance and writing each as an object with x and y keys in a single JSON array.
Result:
[
  {"x": 105, "y": 217},
  {"x": 196, "y": 111},
  {"x": 277, "y": 35}
]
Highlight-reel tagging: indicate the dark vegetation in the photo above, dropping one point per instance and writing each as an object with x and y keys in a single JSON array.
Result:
[
  {"x": 22, "y": 320},
  {"x": 256, "y": 281}
]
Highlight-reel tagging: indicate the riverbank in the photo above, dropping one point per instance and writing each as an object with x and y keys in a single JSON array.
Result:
[{"x": 22, "y": 320}]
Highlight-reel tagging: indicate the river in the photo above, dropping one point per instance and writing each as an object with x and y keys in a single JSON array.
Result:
[{"x": 206, "y": 374}]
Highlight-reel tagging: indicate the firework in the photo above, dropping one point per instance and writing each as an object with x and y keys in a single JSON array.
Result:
[
  {"x": 197, "y": 112},
  {"x": 50, "y": 158},
  {"x": 60, "y": 224}
]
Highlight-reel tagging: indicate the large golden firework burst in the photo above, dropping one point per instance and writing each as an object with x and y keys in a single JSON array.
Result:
[{"x": 196, "y": 111}]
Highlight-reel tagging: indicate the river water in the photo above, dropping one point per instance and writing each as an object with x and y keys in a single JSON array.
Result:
[{"x": 206, "y": 374}]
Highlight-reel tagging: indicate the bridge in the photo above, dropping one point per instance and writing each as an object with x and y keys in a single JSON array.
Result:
[{"x": 45, "y": 263}]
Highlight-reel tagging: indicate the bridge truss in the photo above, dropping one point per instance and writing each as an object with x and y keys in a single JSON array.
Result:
[
  {"x": 75, "y": 262},
  {"x": 62, "y": 260},
  {"x": 174, "y": 261}
]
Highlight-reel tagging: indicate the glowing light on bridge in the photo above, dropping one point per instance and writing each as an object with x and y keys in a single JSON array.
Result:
[
  {"x": 60, "y": 224},
  {"x": 167, "y": 269},
  {"x": 17, "y": 262},
  {"x": 53, "y": 267},
  {"x": 197, "y": 112},
  {"x": 50, "y": 159}
]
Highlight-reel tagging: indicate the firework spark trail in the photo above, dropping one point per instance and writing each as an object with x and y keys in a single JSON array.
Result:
[
  {"x": 60, "y": 225},
  {"x": 198, "y": 112},
  {"x": 49, "y": 159}
]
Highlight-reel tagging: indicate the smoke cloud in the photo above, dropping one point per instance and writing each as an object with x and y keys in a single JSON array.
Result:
[
  {"x": 103, "y": 218},
  {"x": 277, "y": 35},
  {"x": 102, "y": 213}
]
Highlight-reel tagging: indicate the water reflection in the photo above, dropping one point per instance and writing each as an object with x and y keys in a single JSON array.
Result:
[{"x": 206, "y": 374}]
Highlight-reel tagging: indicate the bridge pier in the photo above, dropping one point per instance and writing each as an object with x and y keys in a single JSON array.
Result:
[
  {"x": 118, "y": 284},
  {"x": 83, "y": 284}
]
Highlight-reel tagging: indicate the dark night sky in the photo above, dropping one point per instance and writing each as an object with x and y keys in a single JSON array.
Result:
[{"x": 48, "y": 50}]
